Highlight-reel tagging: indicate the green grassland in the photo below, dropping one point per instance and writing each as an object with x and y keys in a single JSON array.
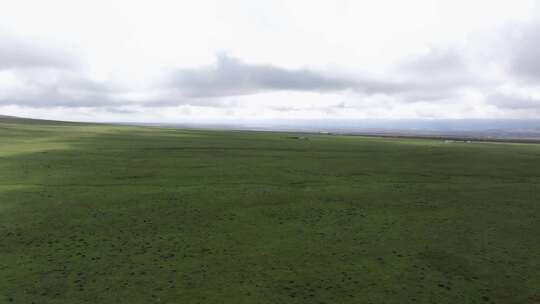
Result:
[{"x": 118, "y": 214}]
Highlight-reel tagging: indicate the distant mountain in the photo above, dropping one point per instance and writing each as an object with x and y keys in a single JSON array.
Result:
[
  {"x": 454, "y": 128},
  {"x": 483, "y": 129}
]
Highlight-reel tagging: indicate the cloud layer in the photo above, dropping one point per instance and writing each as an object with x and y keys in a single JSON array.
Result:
[{"x": 313, "y": 71}]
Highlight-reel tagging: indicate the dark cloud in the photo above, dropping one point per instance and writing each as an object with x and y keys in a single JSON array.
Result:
[
  {"x": 18, "y": 54},
  {"x": 525, "y": 50},
  {"x": 506, "y": 101},
  {"x": 47, "y": 77},
  {"x": 232, "y": 77},
  {"x": 431, "y": 93},
  {"x": 64, "y": 89},
  {"x": 439, "y": 75},
  {"x": 436, "y": 63},
  {"x": 52, "y": 97},
  {"x": 443, "y": 70}
]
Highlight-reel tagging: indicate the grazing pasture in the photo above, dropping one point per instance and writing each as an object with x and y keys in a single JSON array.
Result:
[{"x": 119, "y": 214}]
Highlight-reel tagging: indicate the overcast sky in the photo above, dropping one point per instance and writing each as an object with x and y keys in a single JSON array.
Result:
[{"x": 204, "y": 60}]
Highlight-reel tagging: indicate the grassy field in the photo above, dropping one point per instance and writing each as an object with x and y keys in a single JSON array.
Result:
[{"x": 113, "y": 214}]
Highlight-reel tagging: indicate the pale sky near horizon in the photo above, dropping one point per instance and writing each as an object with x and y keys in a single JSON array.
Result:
[{"x": 210, "y": 60}]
